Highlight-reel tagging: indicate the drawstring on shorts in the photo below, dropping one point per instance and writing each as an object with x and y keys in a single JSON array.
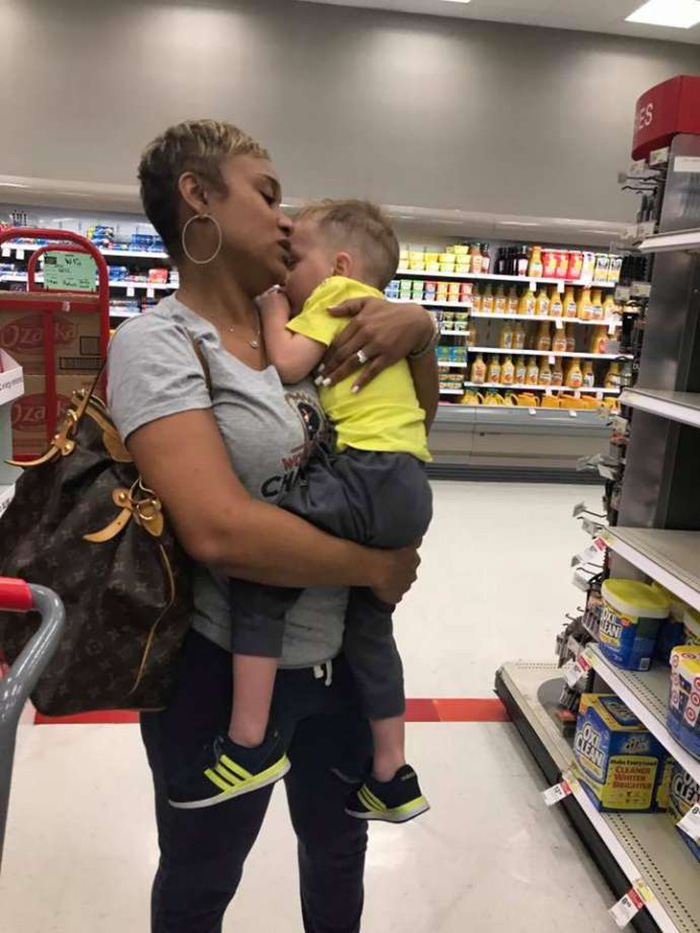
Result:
[{"x": 324, "y": 670}]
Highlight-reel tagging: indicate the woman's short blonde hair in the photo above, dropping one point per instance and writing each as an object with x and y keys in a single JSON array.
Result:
[{"x": 198, "y": 146}]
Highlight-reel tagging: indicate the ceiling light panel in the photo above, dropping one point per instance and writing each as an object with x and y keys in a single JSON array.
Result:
[{"x": 679, "y": 14}]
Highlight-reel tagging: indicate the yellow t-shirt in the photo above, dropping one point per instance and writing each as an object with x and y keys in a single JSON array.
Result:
[{"x": 385, "y": 415}]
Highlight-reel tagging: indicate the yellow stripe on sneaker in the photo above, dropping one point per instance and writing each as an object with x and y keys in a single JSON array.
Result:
[
  {"x": 228, "y": 775},
  {"x": 238, "y": 771},
  {"x": 377, "y": 804},
  {"x": 220, "y": 782}
]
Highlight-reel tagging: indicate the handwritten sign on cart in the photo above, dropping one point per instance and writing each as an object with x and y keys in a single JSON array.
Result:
[{"x": 69, "y": 272}]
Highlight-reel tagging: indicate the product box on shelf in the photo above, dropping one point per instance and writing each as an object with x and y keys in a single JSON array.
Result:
[
  {"x": 76, "y": 335},
  {"x": 683, "y": 716},
  {"x": 683, "y": 795},
  {"x": 29, "y": 412},
  {"x": 622, "y": 765}
]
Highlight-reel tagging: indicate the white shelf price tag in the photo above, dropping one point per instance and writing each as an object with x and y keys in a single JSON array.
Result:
[
  {"x": 561, "y": 287},
  {"x": 6, "y": 252},
  {"x": 131, "y": 292},
  {"x": 533, "y": 285},
  {"x": 627, "y": 908},
  {"x": 574, "y": 671},
  {"x": 150, "y": 293},
  {"x": 558, "y": 324},
  {"x": 612, "y": 327},
  {"x": 20, "y": 254},
  {"x": 552, "y": 359},
  {"x": 690, "y": 824},
  {"x": 557, "y": 793}
]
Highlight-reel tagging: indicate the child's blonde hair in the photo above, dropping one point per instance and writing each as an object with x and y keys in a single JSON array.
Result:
[{"x": 359, "y": 224}]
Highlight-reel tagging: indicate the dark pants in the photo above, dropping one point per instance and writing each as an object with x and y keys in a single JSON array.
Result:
[
  {"x": 202, "y": 852},
  {"x": 381, "y": 500}
]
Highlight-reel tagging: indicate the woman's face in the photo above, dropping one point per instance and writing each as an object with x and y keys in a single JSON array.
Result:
[{"x": 256, "y": 232}]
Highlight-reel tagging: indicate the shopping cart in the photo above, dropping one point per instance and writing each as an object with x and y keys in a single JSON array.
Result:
[{"x": 18, "y": 596}]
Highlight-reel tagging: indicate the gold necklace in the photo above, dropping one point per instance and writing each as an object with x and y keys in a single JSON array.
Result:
[{"x": 255, "y": 341}]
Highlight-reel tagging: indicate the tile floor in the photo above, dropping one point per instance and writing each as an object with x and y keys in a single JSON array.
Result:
[{"x": 81, "y": 849}]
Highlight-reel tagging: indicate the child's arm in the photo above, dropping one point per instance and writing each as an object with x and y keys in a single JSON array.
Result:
[
  {"x": 293, "y": 355},
  {"x": 426, "y": 379}
]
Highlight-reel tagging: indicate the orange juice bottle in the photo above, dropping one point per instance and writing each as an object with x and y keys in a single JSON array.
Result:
[
  {"x": 559, "y": 342},
  {"x": 535, "y": 267},
  {"x": 584, "y": 310},
  {"x": 487, "y": 300},
  {"x": 569, "y": 302},
  {"x": 499, "y": 303},
  {"x": 506, "y": 339},
  {"x": 574, "y": 374},
  {"x": 507, "y": 372},
  {"x": 544, "y": 337},
  {"x": 599, "y": 339},
  {"x": 519, "y": 337},
  {"x": 597, "y": 304},
  {"x": 588, "y": 375},
  {"x": 512, "y": 301},
  {"x": 558, "y": 374},
  {"x": 520, "y": 371},
  {"x": 476, "y": 299},
  {"x": 612, "y": 377},
  {"x": 494, "y": 370},
  {"x": 526, "y": 305},
  {"x": 609, "y": 308},
  {"x": 570, "y": 339},
  {"x": 545, "y": 378},
  {"x": 477, "y": 258},
  {"x": 478, "y": 370},
  {"x": 556, "y": 306},
  {"x": 532, "y": 376},
  {"x": 542, "y": 303}
]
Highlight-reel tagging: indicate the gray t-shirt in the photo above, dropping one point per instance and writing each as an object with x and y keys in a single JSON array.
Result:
[{"x": 267, "y": 428}]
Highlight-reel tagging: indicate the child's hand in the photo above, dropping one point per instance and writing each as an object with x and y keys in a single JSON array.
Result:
[{"x": 274, "y": 302}]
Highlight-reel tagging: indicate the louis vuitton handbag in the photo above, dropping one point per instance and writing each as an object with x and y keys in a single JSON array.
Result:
[{"x": 82, "y": 523}]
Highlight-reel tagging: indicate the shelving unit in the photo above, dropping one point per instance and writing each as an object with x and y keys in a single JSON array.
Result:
[
  {"x": 675, "y": 406},
  {"x": 627, "y": 847},
  {"x": 560, "y": 354},
  {"x": 488, "y": 277},
  {"x": 672, "y": 558},
  {"x": 529, "y": 388},
  {"x": 524, "y": 318},
  {"x": 646, "y": 695}
]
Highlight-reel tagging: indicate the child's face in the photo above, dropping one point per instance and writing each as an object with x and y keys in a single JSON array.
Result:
[{"x": 313, "y": 261}]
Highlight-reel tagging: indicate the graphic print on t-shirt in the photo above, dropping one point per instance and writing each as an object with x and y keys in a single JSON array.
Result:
[{"x": 310, "y": 414}]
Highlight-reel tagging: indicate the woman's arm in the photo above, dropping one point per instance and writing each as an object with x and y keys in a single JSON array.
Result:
[
  {"x": 386, "y": 331},
  {"x": 182, "y": 457}
]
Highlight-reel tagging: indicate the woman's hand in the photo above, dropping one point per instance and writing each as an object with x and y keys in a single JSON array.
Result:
[
  {"x": 386, "y": 332},
  {"x": 396, "y": 571}
]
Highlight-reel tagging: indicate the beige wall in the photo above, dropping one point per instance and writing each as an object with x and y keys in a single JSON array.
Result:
[{"x": 406, "y": 109}]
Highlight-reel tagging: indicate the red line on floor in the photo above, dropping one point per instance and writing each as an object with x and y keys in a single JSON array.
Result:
[{"x": 417, "y": 710}]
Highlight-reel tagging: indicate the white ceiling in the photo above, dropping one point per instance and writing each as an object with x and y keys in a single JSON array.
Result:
[{"x": 606, "y": 16}]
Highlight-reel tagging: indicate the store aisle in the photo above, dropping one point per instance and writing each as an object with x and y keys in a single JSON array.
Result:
[{"x": 81, "y": 843}]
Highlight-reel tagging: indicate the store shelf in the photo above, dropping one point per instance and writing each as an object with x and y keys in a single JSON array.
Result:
[
  {"x": 646, "y": 694},
  {"x": 516, "y": 419},
  {"x": 529, "y": 388},
  {"x": 676, "y": 406},
  {"x": 122, "y": 313},
  {"x": 512, "y": 316},
  {"x": 555, "y": 353},
  {"x": 672, "y": 558},
  {"x": 453, "y": 333},
  {"x": 119, "y": 253},
  {"x": 639, "y": 846},
  {"x": 6, "y": 496},
  {"x": 451, "y": 391},
  {"x": 670, "y": 242},
  {"x": 445, "y": 364},
  {"x": 156, "y": 286},
  {"x": 426, "y": 303},
  {"x": 488, "y": 277}
]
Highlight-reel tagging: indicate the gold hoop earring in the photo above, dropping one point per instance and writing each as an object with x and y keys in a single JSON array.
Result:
[{"x": 183, "y": 238}]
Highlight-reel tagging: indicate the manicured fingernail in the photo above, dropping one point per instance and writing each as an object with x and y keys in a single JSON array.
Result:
[
  {"x": 318, "y": 381},
  {"x": 321, "y": 367},
  {"x": 325, "y": 382},
  {"x": 355, "y": 389}
]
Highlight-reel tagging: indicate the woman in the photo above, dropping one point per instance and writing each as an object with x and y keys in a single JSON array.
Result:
[{"x": 214, "y": 432}]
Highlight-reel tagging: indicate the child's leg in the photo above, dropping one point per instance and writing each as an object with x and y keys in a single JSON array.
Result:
[
  {"x": 253, "y": 684},
  {"x": 389, "y": 737}
]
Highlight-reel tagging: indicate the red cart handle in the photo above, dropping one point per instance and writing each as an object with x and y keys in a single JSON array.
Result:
[{"x": 15, "y": 595}]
